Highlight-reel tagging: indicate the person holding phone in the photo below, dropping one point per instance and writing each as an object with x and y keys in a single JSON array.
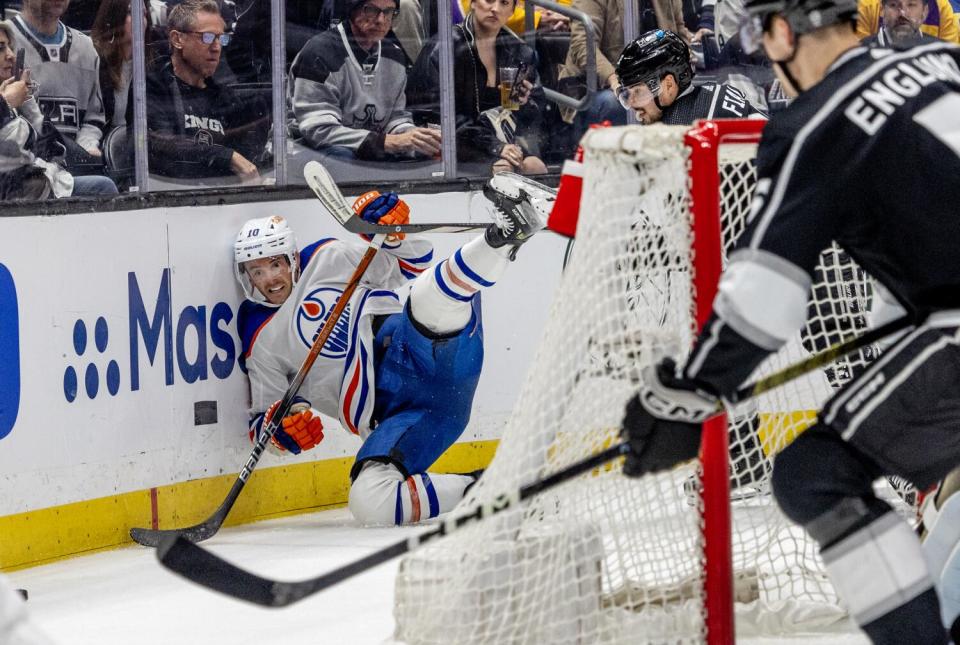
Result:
[
  {"x": 485, "y": 53},
  {"x": 31, "y": 149},
  {"x": 65, "y": 64}
]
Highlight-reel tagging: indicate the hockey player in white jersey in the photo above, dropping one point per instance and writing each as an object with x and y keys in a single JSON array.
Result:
[
  {"x": 400, "y": 375},
  {"x": 824, "y": 175}
]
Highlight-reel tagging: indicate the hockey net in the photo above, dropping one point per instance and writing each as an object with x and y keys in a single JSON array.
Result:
[{"x": 608, "y": 559}]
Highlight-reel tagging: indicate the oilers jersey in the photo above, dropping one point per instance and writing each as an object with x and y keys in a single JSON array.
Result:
[
  {"x": 868, "y": 157},
  {"x": 276, "y": 340}
]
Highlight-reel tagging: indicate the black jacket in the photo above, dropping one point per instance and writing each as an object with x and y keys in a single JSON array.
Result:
[
  {"x": 194, "y": 132},
  {"x": 475, "y": 140}
]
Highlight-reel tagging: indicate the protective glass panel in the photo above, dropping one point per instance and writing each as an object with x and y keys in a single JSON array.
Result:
[
  {"x": 208, "y": 96},
  {"x": 349, "y": 93}
]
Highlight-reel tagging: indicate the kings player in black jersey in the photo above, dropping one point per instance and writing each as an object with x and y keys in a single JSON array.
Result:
[
  {"x": 867, "y": 155},
  {"x": 656, "y": 82}
]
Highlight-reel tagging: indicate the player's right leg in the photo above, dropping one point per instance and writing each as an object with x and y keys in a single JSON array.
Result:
[
  {"x": 440, "y": 298},
  {"x": 900, "y": 417},
  {"x": 424, "y": 395},
  {"x": 382, "y": 495}
]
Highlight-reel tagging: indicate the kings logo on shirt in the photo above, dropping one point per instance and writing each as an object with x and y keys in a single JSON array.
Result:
[{"x": 313, "y": 312}]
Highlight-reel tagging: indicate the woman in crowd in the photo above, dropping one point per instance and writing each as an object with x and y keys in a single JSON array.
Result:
[
  {"x": 112, "y": 35},
  {"x": 508, "y": 140},
  {"x": 30, "y": 150}
]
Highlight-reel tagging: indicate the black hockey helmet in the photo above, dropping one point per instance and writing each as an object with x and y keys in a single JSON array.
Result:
[
  {"x": 803, "y": 16},
  {"x": 654, "y": 55}
]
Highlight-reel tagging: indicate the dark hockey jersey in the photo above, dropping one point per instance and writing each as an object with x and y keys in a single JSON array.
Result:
[
  {"x": 709, "y": 101},
  {"x": 868, "y": 157}
]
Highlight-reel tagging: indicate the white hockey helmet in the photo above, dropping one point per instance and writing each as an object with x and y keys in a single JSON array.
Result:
[{"x": 264, "y": 237}]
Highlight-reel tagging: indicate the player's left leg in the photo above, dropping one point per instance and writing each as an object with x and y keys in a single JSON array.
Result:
[
  {"x": 440, "y": 297},
  {"x": 900, "y": 417}
]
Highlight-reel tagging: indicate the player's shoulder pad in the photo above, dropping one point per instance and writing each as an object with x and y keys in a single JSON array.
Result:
[
  {"x": 308, "y": 252},
  {"x": 251, "y": 317}
]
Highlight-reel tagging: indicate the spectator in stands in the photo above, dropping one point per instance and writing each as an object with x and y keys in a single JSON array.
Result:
[
  {"x": 940, "y": 21},
  {"x": 543, "y": 19},
  {"x": 608, "y": 20},
  {"x": 112, "y": 35},
  {"x": 29, "y": 147},
  {"x": 900, "y": 24},
  {"x": 409, "y": 30},
  {"x": 197, "y": 128},
  {"x": 508, "y": 140},
  {"x": 64, "y": 64},
  {"x": 348, "y": 87}
]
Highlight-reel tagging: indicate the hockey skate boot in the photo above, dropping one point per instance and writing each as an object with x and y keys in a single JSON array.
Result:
[{"x": 522, "y": 208}]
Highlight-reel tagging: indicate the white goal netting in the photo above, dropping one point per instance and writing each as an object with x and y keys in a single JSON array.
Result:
[{"x": 603, "y": 558}]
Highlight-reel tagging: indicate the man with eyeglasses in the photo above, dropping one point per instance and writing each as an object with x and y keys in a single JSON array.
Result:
[
  {"x": 64, "y": 64},
  {"x": 196, "y": 127},
  {"x": 348, "y": 87},
  {"x": 866, "y": 155},
  {"x": 655, "y": 80},
  {"x": 940, "y": 20},
  {"x": 900, "y": 25}
]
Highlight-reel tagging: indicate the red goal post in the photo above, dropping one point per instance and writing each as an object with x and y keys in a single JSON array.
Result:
[
  {"x": 667, "y": 557},
  {"x": 704, "y": 141}
]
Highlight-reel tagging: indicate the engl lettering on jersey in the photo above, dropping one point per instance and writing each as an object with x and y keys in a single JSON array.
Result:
[{"x": 879, "y": 100}]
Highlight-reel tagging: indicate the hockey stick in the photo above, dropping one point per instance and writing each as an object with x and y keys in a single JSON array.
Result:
[
  {"x": 210, "y": 526},
  {"x": 203, "y": 567},
  {"x": 330, "y": 196},
  {"x": 327, "y": 191}
]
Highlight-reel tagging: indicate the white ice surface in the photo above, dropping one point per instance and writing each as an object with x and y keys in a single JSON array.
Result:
[{"x": 124, "y": 597}]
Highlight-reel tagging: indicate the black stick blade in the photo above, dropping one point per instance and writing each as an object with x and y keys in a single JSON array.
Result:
[
  {"x": 153, "y": 537},
  {"x": 198, "y": 565}
]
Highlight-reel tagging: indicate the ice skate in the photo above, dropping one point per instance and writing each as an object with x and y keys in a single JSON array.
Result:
[{"x": 522, "y": 208}]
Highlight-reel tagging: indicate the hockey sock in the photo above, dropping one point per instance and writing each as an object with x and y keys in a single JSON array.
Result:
[
  {"x": 880, "y": 573},
  {"x": 381, "y": 495},
  {"x": 440, "y": 297},
  {"x": 422, "y": 496}
]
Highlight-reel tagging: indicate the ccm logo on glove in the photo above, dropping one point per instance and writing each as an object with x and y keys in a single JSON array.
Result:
[
  {"x": 386, "y": 209},
  {"x": 300, "y": 430}
]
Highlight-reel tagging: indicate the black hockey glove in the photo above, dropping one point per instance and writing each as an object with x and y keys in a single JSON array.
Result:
[{"x": 662, "y": 422}]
